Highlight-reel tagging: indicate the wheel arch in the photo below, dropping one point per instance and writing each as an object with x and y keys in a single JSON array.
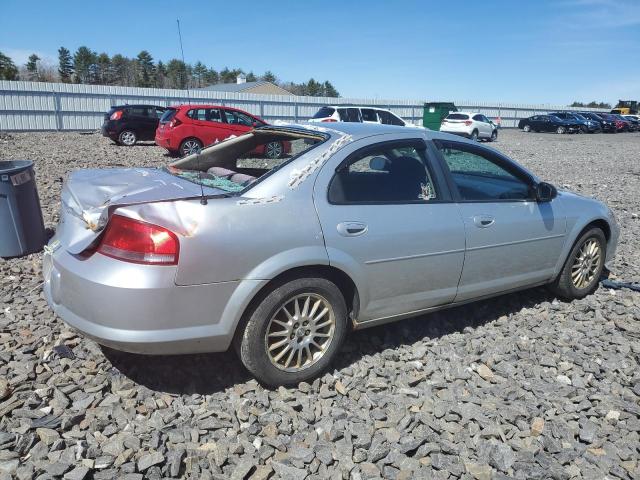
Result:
[
  {"x": 575, "y": 235},
  {"x": 342, "y": 280}
]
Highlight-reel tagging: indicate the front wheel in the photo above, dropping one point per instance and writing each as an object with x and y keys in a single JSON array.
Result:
[
  {"x": 561, "y": 130},
  {"x": 295, "y": 332},
  {"x": 581, "y": 272},
  {"x": 494, "y": 136},
  {"x": 527, "y": 128}
]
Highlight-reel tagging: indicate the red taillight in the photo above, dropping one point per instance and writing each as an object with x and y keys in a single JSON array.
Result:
[
  {"x": 468, "y": 122},
  {"x": 116, "y": 115},
  {"x": 139, "y": 242},
  {"x": 174, "y": 123},
  {"x": 329, "y": 120}
]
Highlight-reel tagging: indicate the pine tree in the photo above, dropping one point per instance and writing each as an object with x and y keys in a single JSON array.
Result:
[
  {"x": 145, "y": 69},
  {"x": 251, "y": 77},
  {"x": 199, "y": 74},
  {"x": 104, "y": 70},
  {"x": 32, "y": 67},
  {"x": 176, "y": 74},
  {"x": 8, "y": 70},
  {"x": 269, "y": 77},
  {"x": 161, "y": 75},
  {"x": 329, "y": 90},
  {"x": 65, "y": 65},
  {"x": 84, "y": 64},
  {"x": 211, "y": 77},
  {"x": 313, "y": 88}
]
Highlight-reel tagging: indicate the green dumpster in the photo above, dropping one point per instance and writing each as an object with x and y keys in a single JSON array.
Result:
[{"x": 434, "y": 112}]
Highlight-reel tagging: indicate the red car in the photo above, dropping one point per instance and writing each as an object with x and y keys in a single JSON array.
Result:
[{"x": 185, "y": 129}]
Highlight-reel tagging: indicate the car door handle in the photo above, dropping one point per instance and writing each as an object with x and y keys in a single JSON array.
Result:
[
  {"x": 351, "y": 229},
  {"x": 483, "y": 221}
]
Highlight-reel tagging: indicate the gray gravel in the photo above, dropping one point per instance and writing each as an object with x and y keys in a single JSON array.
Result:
[{"x": 522, "y": 386}]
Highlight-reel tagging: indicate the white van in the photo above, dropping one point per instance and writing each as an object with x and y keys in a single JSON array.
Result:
[{"x": 333, "y": 113}]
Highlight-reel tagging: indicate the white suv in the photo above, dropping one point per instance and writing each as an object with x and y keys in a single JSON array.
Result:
[
  {"x": 334, "y": 113},
  {"x": 471, "y": 125}
]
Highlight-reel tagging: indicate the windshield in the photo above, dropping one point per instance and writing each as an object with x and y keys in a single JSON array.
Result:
[{"x": 238, "y": 162}]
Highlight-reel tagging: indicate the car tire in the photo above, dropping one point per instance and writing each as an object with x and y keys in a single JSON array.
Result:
[
  {"x": 189, "y": 146},
  {"x": 274, "y": 150},
  {"x": 584, "y": 129},
  {"x": 494, "y": 136},
  {"x": 527, "y": 128},
  {"x": 587, "y": 255},
  {"x": 560, "y": 130},
  {"x": 128, "y": 138},
  {"x": 279, "y": 357},
  {"x": 474, "y": 136}
]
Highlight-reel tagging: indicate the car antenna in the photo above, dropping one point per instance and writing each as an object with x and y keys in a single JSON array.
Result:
[{"x": 203, "y": 199}]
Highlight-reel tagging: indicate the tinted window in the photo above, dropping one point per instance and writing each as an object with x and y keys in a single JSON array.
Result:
[
  {"x": 324, "y": 112},
  {"x": 480, "y": 176},
  {"x": 369, "y": 115},
  {"x": 389, "y": 173},
  {"x": 213, "y": 115},
  {"x": 457, "y": 116},
  {"x": 349, "y": 114},
  {"x": 389, "y": 118},
  {"x": 138, "y": 111},
  {"x": 168, "y": 115},
  {"x": 478, "y": 118},
  {"x": 198, "y": 114},
  {"x": 237, "y": 118}
]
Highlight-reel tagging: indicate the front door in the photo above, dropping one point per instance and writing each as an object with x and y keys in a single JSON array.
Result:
[
  {"x": 388, "y": 221},
  {"x": 512, "y": 240}
]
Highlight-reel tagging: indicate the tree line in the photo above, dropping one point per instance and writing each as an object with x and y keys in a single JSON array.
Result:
[
  {"x": 89, "y": 67},
  {"x": 593, "y": 104}
]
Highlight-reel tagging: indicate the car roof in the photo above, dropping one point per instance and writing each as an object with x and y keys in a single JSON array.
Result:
[
  {"x": 357, "y": 106},
  {"x": 128, "y": 105},
  {"x": 466, "y": 113}
]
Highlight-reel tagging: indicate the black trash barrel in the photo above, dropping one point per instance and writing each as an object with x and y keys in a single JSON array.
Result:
[{"x": 21, "y": 225}]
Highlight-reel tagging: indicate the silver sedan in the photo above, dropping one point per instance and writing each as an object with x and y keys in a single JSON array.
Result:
[{"x": 359, "y": 225}]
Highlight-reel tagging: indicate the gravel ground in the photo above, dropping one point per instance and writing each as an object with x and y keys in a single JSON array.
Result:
[{"x": 522, "y": 386}]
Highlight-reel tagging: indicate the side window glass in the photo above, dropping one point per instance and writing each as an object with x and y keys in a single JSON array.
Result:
[
  {"x": 478, "y": 176},
  {"x": 386, "y": 174},
  {"x": 198, "y": 114},
  {"x": 478, "y": 118},
  {"x": 213, "y": 115},
  {"x": 244, "y": 119},
  {"x": 395, "y": 120},
  {"x": 369, "y": 115},
  {"x": 138, "y": 111},
  {"x": 385, "y": 117}
]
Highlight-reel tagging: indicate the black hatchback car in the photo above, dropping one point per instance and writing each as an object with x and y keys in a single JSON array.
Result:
[
  {"x": 548, "y": 123},
  {"x": 128, "y": 124}
]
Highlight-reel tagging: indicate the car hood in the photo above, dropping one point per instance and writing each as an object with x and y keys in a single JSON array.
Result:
[{"x": 90, "y": 196}]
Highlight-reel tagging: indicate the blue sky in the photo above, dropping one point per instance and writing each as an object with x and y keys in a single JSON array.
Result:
[{"x": 538, "y": 51}]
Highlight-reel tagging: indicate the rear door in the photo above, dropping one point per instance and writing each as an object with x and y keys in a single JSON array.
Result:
[
  {"x": 512, "y": 240},
  {"x": 388, "y": 220},
  {"x": 349, "y": 114}
]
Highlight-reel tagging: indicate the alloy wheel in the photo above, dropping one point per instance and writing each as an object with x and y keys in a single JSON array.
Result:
[
  {"x": 190, "y": 147},
  {"x": 586, "y": 264},
  {"x": 274, "y": 150},
  {"x": 300, "y": 332},
  {"x": 128, "y": 138},
  {"x": 527, "y": 128}
]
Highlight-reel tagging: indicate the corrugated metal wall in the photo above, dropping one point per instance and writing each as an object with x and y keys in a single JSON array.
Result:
[{"x": 60, "y": 106}]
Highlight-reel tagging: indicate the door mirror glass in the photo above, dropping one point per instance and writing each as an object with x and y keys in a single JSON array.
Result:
[{"x": 545, "y": 192}]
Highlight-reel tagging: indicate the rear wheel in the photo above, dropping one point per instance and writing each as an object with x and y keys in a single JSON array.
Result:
[
  {"x": 474, "y": 136},
  {"x": 295, "y": 332},
  {"x": 273, "y": 150},
  {"x": 127, "y": 138},
  {"x": 190, "y": 146},
  {"x": 527, "y": 128},
  {"x": 581, "y": 272},
  {"x": 561, "y": 130}
]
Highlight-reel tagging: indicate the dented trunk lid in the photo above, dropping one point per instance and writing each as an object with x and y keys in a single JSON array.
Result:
[{"x": 90, "y": 196}]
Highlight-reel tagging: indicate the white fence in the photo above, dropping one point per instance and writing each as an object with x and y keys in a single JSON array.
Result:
[{"x": 33, "y": 106}]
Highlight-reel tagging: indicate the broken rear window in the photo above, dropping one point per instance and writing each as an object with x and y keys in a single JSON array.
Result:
[{"x": 238, "y": 162}]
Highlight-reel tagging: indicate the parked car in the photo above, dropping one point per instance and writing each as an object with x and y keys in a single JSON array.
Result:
[
  {"x": 586, "y": 124},
  {"x": 280, "y": 258},
  {"x": 186, "y": 129},
  {"x": 618, "y": 124},
  {"x": 471, "y": 125},
  {"x": 548, "y": 123},
  {"x": 128, "y": 124},
  {"x": 629, "y": 126},
  {"x": 334, "y": 113},
  {"x": 605, "y": 125},
  {"x": 634, "y": 119}
]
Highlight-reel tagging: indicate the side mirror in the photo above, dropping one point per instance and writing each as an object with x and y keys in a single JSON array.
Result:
[
  {"x": 545, "y": 192},
  {"x": 254, "y": 124}
]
